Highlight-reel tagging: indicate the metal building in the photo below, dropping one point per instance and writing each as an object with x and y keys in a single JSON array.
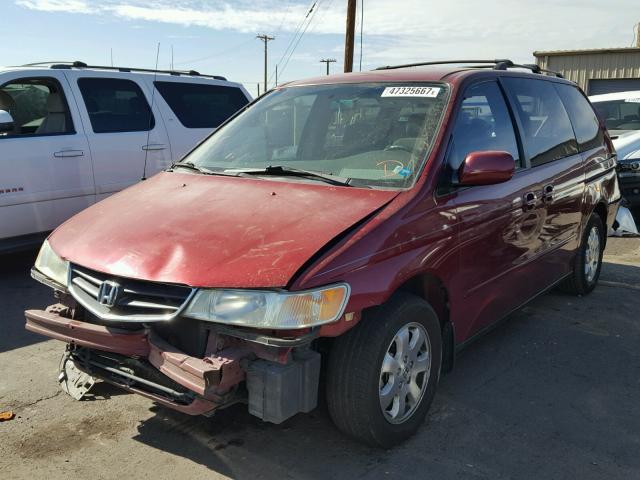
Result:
[{"x": 597, "y": 71}]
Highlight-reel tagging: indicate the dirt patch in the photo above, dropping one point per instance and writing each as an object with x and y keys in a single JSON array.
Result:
[{"x": 67, "y": 435}]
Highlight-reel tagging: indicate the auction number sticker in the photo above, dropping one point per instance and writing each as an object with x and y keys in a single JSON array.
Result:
[
  {"x": 632, "y": 100},
  {"x": 428, "y": 92}
]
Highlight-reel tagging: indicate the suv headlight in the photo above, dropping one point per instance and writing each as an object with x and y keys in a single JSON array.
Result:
[
  {"x": 51, "y": 265},
  {"x": 279, "y": 310}
]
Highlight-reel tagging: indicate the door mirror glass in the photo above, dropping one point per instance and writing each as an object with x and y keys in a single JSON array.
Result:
[
  {"x": 6, "y": 123},
  {"x": 486, "y": 168}
]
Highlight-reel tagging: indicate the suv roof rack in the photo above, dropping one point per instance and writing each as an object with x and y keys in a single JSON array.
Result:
[
  {"x": 498, "y": 64},
  {"x": 78, "y": 64}
]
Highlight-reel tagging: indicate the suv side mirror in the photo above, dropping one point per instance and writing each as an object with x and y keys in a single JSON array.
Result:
[
  {"x": 486, "y": 168},
  {"x": 6, "y": 122}
]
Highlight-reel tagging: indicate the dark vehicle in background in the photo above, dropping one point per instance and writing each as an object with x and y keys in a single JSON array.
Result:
[{"x": 378, "y": 221}]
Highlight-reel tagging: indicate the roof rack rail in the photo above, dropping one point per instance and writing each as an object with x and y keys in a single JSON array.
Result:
[
  {"x": 78, "y": 64},
  {"x": 498, "y": 64}
]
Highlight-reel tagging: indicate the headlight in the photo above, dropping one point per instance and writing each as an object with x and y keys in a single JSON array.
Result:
[
  {"x": 269, "y": 309},
  {"x": 51, "y": 265}
]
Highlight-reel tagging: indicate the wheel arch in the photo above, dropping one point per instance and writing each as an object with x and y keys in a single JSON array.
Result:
[
  {"x": 602, "y": 211},
  {"x": 433, "y": 290}
]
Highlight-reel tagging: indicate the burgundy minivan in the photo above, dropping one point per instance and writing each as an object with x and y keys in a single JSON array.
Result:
[{"x": 367, "y": 225}]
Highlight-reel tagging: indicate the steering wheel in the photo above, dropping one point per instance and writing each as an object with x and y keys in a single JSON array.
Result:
[{"x": 392, "y": 148}]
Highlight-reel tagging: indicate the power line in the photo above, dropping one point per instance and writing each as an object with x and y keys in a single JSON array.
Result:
[
  {"x": 227, "y": 51},
  {"x": 295, "y": 36},
  {"x": 300, "y": 38}
]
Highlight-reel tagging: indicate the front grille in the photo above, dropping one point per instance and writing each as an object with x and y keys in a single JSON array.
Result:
[{"x": 127, "y": 300}]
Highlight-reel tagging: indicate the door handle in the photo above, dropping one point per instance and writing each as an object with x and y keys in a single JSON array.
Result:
[
  {"x": 530, "y": 200},
  {"x": 547, "y": 194},
  {"x": 154, "y": 146},
  {"x": 68, "y": 153}
]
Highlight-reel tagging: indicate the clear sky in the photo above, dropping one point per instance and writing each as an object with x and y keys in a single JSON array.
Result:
[{"x": 214, "y": 36}]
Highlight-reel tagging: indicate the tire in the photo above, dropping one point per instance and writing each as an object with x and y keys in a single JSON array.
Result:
[
  {"x": 588, "y": 262},
  {"x": 355, "y": 377}
]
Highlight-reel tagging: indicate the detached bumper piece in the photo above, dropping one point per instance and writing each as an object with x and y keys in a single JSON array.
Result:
[{"x": 281, "y": 381}]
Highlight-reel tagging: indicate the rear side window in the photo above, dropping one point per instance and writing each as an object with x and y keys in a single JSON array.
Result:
[
  {"x": 116, "y": 105},
  {"x": 199, "y": 105},
  {"x": 584, "y": 119},
  {"x": 547, "y": 131},
  {"x": 483, "y": 124}
]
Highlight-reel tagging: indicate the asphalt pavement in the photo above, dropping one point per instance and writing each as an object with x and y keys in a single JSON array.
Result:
[{"x": 552, "y": 393}]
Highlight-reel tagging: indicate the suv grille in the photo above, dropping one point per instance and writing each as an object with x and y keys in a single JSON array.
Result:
[{"x": 126, "y": 300}]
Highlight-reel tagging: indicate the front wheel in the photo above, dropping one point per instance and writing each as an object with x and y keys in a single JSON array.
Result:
[
  {"x": 588, "y": 260},
  {"x": 383, "y": 374}
]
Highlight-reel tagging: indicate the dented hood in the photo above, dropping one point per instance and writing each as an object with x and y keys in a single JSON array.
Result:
[{"x": 212, "y": 231}]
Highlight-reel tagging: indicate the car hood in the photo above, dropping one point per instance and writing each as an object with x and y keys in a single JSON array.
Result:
[
  {"x": 212, "y": 231},
  {"x": 627, "y": 145}
]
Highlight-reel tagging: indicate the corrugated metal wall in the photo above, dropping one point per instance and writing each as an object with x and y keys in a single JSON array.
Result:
[{"x": 580, "y": 68}]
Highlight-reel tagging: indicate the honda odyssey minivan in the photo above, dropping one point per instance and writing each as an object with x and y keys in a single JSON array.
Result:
[{"x": 366, "y": 225}]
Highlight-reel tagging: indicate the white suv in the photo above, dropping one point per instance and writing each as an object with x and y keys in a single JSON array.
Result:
[{"x": 72, "y": 134}]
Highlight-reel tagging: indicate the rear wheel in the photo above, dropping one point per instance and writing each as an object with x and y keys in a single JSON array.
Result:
[
  {"x": 383, "y": 374},
  {"x": 588, "y": 261}
]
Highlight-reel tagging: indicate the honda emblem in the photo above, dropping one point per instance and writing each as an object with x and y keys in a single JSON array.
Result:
[{"x": 108, "y": 293}]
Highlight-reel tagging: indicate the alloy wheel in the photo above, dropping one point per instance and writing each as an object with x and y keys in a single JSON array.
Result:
[{"x": 405, "y": 372}]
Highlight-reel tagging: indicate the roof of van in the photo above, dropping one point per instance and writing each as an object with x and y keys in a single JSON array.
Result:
[{"x": 450, "y": 74}]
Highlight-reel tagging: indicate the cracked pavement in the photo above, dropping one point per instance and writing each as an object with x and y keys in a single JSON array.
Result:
[{"x": 550, "y": 393}]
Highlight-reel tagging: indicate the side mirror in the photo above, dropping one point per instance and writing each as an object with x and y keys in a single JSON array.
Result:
[
  {"x": 486, "y": 168},
  {"x": 6, "y": 122}
]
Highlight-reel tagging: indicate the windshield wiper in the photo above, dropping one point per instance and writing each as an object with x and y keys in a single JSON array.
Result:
[
  {"x": 282, "y": 170},
  {"x": 204, "y": 171}
]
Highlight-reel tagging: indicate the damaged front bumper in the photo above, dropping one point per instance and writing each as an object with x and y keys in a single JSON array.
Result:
[{"x": 276, "y": 377}]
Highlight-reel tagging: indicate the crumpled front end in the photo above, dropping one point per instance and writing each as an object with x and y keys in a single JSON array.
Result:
[{"x": 191, "y": 366}]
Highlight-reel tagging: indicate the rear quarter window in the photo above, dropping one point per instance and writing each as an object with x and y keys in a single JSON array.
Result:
[
  {"x": 583, "y": 117},
  {"x": 546, "y": 129},
  {"x": 199, "y": 105}
]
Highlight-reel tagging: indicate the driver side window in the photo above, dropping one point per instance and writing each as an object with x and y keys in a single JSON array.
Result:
[
  {"x": 37, "y": 107},
  {"x": 483, "y": 123}
]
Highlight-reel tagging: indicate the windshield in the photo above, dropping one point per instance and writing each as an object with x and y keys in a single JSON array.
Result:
[
  {"x": 620, "y": 114},
  {"x": 375, "y": 135}
]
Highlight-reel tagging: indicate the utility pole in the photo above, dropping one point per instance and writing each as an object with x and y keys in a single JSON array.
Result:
[
  {"x": 266, "y": 39},
  {"x": 328, "y": 61},
  {"x": 350, "y": 36}
]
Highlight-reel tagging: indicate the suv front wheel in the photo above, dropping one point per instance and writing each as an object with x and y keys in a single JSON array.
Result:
[{"x": 383, "y": 374}]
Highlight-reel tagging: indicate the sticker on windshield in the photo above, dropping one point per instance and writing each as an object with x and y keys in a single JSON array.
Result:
[
  {"x": 402, "y": 171},
  {"x": 632, "y": 100},
  {"x": 428, "y": 92}
]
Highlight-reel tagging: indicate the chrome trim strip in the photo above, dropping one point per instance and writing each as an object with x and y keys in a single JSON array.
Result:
[{"x": 77, "y": 292}]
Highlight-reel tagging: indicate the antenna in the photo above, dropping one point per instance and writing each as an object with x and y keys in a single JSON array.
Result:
[{"x": 153, "y": 94}]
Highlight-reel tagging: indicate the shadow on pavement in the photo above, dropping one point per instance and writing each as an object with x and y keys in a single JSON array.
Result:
[
  {"x": 19, "y": 292},
  {"x": 551, "y": 393}
]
